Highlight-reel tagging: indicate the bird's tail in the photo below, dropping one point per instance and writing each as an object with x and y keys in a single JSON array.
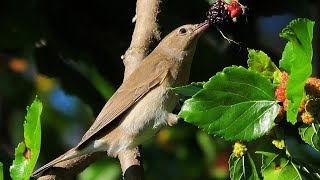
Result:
[{"x": 72, "y": 153}]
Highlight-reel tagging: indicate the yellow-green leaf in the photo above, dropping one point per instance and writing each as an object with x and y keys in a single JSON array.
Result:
[
  {"x": 296, "y": 61},
  {"x": 27, "y": 152}
]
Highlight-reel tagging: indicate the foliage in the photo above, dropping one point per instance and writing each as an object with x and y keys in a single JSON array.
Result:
[
  {"x": 310, "y": 134},
  {"x": 296, "y": 61},
  {"x": 237, "y": 104},
  {"x": 241, "y": 104},
  {"x": 27, "y": 152},
  {"x": 242, "y": 168}
]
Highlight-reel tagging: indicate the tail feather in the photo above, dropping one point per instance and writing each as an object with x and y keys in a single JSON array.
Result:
[{"x": 72, "y": 153}]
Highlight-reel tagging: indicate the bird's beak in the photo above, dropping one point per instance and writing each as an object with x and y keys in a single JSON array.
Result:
[{"x": 201, "y": 27}]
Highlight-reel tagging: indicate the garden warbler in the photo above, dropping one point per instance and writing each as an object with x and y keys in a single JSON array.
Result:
[{"x": 144, "y": 101}]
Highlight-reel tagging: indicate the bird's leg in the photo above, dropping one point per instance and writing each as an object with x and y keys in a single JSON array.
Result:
[{"x": 172, "y": 119}]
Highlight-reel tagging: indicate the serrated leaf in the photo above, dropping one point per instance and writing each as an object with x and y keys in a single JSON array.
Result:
[
  {"x": 27, "y": 152},
  {"x": 242, "y": 168},
  {"x": 296, "y": 61},
  {"x": 237, "y": 104},
  {"x": 261, "y": 62},
  {"x": 1, "y": 171},
  {"x": 276, "y": 165},
  {"x": 188, "y": 90},
  {"x": 310, "y": 134}
]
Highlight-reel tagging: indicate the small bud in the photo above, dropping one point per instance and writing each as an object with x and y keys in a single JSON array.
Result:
[
  {"x": 307, "y": 117},
  {"x": 279, "y": 143},
  {"x": 239, "y": 149}
]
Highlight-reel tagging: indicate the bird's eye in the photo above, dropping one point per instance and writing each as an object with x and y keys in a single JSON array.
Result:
[{"x": 182, "y": 31}]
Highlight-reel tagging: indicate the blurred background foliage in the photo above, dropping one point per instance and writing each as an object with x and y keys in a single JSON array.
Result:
[{"x": 69, "y": 52}]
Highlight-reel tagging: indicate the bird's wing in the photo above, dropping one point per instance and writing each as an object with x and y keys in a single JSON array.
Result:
[{"x": 134, "y": 88}]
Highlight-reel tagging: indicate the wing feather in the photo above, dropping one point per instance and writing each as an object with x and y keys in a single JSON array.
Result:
[{"x": 134, "y": 88}]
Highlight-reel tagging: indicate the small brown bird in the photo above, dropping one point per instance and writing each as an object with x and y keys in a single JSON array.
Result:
[{"x": 144, "y": 102}]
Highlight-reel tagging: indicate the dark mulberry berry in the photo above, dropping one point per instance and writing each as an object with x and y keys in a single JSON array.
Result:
[{"x": 218, "y": 14}]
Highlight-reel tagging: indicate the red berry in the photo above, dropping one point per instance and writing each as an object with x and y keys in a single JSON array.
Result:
[
  {"x": 235, "y": 9},
  {"x": 280, "y": 91}
]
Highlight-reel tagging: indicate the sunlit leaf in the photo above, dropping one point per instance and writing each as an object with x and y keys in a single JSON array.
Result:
[
  {"x": 237, "y": 104},
  {"x": 27, "y": 152},
  {"x": 261, "y": 62},
  {"x": 296, "y": 61},
  {"x": 276, "y": 165}
]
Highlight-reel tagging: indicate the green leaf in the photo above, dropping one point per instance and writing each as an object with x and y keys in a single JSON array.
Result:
[
  {"x": 276, "y": 165},
  {"x": 310, "y": 134},
  {"x": 237, "y": 104},
  {"x": 261, "y": 62},
  {"x": 242, "y": 168},
  {"x": 188, "y": 90},
  {"x": 1, "y": 171},
  {"x": 27, "y": 152},
  {"x": 296, "y": 61}
]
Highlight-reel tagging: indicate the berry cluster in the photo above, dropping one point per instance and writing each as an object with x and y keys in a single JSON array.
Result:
[
  {"x": 308, "y": 110},
  {"x": 281, "y": 89},
  {"x": 218, "y": 14},
  {"x": 313, "y": 87},
  {"x": 221, "y": 12},
  {"x": 280, "y": 93},
  {"x": 306, "y": 117}
]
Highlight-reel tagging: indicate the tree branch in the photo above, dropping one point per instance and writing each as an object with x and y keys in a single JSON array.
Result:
[
  {"x": 145, "y": 32},
  {"x": 70, "y": 168}
]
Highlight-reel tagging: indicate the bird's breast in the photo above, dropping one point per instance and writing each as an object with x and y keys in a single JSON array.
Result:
[{"x": 149, "y": 114}]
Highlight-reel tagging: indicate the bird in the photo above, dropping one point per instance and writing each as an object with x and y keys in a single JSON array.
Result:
[{"x": 144, "y": 102}]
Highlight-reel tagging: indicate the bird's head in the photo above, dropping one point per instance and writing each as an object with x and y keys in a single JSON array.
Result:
[{"x": 183, "y": 40}]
